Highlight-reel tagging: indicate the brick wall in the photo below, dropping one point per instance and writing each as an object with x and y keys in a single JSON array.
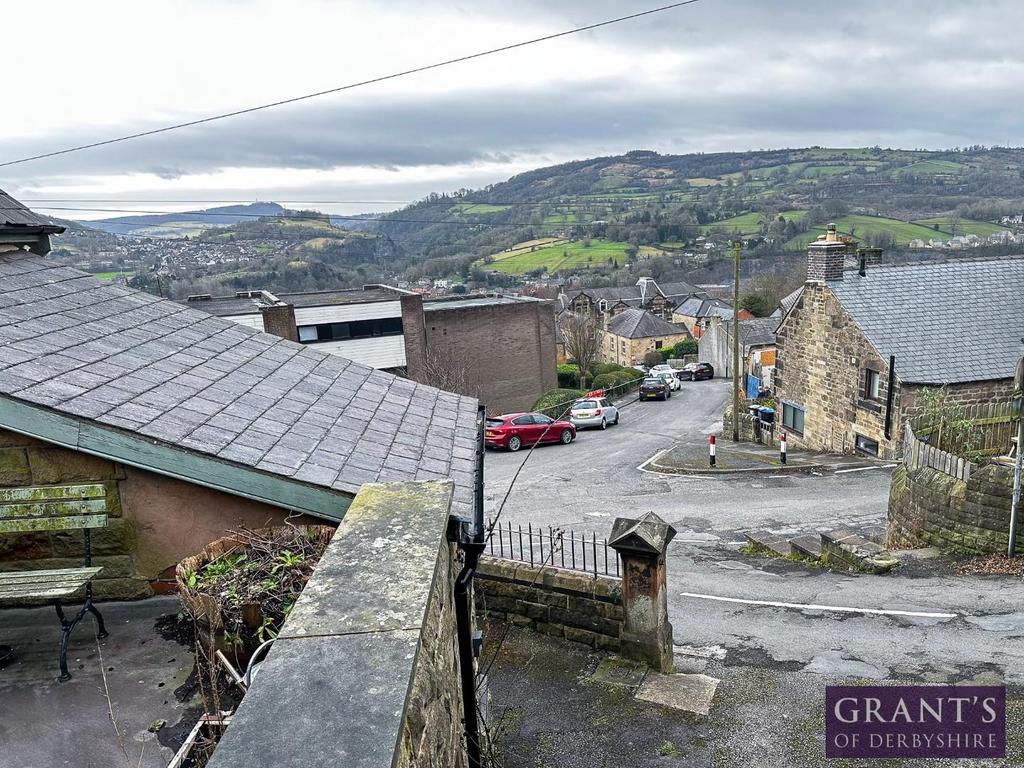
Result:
[
  {"x": 928, "y": 507},
  {"x": 578, "y": 607},
  {"x": 280, "y": 321},
  {"x": 506, "y": 350}
]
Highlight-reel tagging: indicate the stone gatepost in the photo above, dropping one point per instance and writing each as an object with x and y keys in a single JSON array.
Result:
[{"x": 646, "y": 633}]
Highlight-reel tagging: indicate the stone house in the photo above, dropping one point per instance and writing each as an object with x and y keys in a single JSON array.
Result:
[
  {"x": 633, "y": 333},
  {"x": 194, "y": 424},
  {"x": 696, "y": 313},
  {"x": 859, "y": 345},
  {"x": 605, "y": 303}
]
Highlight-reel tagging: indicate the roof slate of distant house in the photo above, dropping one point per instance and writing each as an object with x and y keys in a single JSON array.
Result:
[
  {"x": 945, "y": 321},
  {"x": 133, "y": 364},
  {"x": 698, "y": 307},
  {"x": 630, "y": 294},
  {"x": 640, "y": 324},
  {"x": 15, "y": 216},
  {"x": 758, "y": 332}
]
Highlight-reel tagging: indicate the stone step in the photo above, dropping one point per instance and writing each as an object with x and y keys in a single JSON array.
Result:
[
  {"x": 770, "y": 543},
  {"x": 807, "y": 544},
  {"x": 856, "y": 552}
]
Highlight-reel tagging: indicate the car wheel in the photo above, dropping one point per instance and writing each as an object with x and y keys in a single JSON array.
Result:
[
  {"x": 615, "y": 423},
  {"x": 514, "y": 443},
  {"x": 566, "y": 436},
  {"x": 604, "y": 424}
]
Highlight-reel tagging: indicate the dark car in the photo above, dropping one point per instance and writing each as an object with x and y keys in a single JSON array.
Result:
[
  {"x": 514, "y": 430},
  {"x": 697, "y": 371},
  {"x": 654, "y": 389}
]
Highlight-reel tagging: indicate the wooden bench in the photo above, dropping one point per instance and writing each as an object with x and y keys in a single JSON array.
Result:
[{"x": 54, "y": 508}]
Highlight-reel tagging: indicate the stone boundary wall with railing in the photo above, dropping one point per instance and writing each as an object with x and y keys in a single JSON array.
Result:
[
  {"x": 577, "y": 606},
  {"x": 940, "y": 499}
]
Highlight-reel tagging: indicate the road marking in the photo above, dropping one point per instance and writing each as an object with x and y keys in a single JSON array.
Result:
[
  {"x": 862, "y": 469},
  {"x": 654, "y": 458},
  {"x": 812, "y": 607}
]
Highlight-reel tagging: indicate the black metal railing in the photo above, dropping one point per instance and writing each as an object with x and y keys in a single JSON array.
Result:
[{"x": 553, "y": 546}]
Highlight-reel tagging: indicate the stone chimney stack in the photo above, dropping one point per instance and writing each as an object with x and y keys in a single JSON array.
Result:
[
  {"x": 869, "y": 257},
  {"x": 825, "y": 257}
]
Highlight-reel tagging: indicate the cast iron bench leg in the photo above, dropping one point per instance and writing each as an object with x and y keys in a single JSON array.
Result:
[
  {"x": 65, "y": 627},
  {"x": 99, "y": 620}
]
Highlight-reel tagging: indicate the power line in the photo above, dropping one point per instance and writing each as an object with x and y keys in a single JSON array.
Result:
[{"x": 350, "y": 86}]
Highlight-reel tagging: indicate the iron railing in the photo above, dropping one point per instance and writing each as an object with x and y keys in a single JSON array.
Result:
[{"x": 554, "y": 547}]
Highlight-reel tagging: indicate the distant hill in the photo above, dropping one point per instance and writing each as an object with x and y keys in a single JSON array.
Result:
[
  {"x": 170, "y": 224},
  {"x": 646, "y": 198}
]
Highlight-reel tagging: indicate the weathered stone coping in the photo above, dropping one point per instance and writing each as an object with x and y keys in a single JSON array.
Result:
[{"x": 334, "y": 688}]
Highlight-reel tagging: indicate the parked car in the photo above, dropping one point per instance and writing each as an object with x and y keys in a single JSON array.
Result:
[
  {"x": 595, "y": 410},
  {"x": 514, "y": 430},
  {"x": 661, "y": 367},
  {"x": 654, "y": 388},
  {"x": 670, "y": 378},
  {"x": 697, "y": 371},
  {"x": 640, "y": 367}
]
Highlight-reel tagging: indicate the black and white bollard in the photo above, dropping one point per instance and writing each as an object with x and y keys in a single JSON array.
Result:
[
  {"x": 711, "y": 450},
  {"x": 782, "y": 448}
]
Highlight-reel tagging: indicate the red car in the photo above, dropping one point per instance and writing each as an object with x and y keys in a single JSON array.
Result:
[{"x": 515, "y": 430}]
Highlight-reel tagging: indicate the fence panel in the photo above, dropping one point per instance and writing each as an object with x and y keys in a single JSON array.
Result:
[{"x": 555, "y": 547}]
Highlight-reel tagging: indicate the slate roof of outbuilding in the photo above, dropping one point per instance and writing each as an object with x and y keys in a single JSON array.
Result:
[
  {"x": 641, "y": 324},
  {"x": 945, "y": 321},
  {"x": 124, "y": 359},
  {"x": 15, "y": 215},
  {"x": 758, "y": 332}
]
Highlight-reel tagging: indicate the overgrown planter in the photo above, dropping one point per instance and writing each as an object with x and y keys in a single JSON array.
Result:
[{"x": 240, "y": 588}]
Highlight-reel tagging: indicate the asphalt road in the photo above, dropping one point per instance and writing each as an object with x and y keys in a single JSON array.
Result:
[{"x": 713, "y": 587}]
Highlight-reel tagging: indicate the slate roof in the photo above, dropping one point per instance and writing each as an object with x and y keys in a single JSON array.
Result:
[
  {"x": 695, "y": 306},
  {"x": 758, "y": 332},
  {"x": 789, "y": 301},
  {"x": 16, "y": 216},
  {"x": 129, "y": 361},
  {"x": 945, "y": 321},
  {"x": 640, "y": 324},
  {"x": 630, "y": 294}
]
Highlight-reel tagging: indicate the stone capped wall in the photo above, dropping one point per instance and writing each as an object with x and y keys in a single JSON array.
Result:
[
  {"x": 928, "y": 507},
  {"x": 576, "y": 606}
]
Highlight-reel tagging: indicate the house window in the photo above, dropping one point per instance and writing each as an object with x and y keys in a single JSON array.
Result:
[
  {"x": 872, "y": 384},
  {"x": 354, "y": 329},
  {"x": 866, "y": 445},
  {"x": 657, "y": 345},
  {"x": 793, "y": 418}
]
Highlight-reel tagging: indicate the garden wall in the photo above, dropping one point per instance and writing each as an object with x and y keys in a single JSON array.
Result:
[
  {"x": 931, "y": 507},
  {"x": 576, "y": 606}
]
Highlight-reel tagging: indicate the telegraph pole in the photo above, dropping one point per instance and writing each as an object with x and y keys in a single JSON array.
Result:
[{"x": 736, "y": 342}]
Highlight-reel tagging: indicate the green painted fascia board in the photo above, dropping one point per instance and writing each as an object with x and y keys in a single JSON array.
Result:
[{"x": 145, "y": 453}]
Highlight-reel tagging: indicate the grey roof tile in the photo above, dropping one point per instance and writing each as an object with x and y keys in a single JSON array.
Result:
[
  {"x": 945, "y": 321},
  {"x": 133, "y": 361}
]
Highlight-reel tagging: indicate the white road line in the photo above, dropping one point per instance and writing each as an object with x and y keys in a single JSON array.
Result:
[
  {"x": 863, "y": 469},
  {"x": 811, "y": 607},
  {"x": 654, "y": 458}
]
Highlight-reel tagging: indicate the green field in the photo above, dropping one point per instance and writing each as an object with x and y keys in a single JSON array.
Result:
[
  {"x": 111, "y": 276},
  {"x": 749, "y": 223},
  {"x": 963, "y": 226},
  {"x": 933, "y": 166},
  {"x": 557, "y": 255},
  {"x": 862, "y": 226},
  {"x": 479, "y": 208}
]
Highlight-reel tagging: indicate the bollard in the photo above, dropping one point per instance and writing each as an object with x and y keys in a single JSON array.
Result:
[
  {"x": 711, "y": 450},
  {"x": 782, "y": 447}
]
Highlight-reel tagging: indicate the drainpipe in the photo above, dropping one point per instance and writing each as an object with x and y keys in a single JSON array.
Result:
[
  {"x": 472, "y": 544},
  {"x": 889, "y": 397}
]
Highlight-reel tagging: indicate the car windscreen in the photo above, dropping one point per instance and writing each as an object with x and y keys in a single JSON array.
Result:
[
  {"x": 584, "y": 404},
  {"x": 495, "y": 422},
  {"x": 652, "y": 382}
]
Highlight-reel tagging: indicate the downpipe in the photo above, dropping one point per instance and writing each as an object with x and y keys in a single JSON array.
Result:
[{"x": 472, "y": 544}]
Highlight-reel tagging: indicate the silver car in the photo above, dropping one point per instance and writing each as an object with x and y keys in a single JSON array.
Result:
[{"x": 593, "y": 412}]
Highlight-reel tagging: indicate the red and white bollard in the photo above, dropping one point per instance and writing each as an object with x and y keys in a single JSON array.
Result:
[
  {"x": 711, "y": 450},
  {"x": 782, "y": 447}
]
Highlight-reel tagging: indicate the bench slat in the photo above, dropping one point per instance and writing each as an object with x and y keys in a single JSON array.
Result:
[
  {"x": 44, "y": 584},
  {"x": 44, "y": 492},
  {"x": 24, "y": 525},
  {"x": 53, "y": 508}
]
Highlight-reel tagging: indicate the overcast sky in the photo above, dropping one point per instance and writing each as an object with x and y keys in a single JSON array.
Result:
[{"x": 719, "y": 75}]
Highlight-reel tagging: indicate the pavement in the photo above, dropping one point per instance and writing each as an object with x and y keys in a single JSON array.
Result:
[
  {"x": 552, "y": 707},
  {"x": 46, "y": 724},
  {"x": 921, "y": 623},
  {"x": 691, "y": 457}
]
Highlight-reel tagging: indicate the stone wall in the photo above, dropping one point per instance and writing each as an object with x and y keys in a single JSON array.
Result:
[
  {"x": 153, "y": 521},
  {"x": 626, "y": 351},
  {"x": 928, "y": 507},
  {"x": 578, "y": 607}
]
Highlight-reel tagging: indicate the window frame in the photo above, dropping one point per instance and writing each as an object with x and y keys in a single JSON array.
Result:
[
  {"x": 790, "y": 424},
  {"x": 858, "y": 439},
  {"x": 872, "y": 376}
]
